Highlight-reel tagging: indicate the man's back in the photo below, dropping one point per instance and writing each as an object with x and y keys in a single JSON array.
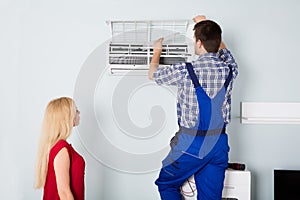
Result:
[{"x": 211, "y": 70}]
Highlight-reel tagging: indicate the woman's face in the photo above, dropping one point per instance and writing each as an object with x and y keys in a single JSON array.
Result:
[{"x": 77, "y": 117}]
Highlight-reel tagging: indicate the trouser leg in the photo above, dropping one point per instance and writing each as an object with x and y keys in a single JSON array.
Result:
[
  {"x": 210, "y": 179},
  {"x": 172, "y": 176},
  {"x": 209, "y": 183}
]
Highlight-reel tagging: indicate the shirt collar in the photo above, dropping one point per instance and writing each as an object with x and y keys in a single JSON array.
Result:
[{"x": 207, "y": 56}]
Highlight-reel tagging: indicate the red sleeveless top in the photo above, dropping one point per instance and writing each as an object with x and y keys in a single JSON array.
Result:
[{"x": 77, "y": 168}]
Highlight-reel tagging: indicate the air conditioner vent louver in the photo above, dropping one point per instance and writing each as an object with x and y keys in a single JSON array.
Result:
[
  {"x": 133, "y": 60},
  {"x": 171, "y": 60},
  {"x": 131, "y": 46}
]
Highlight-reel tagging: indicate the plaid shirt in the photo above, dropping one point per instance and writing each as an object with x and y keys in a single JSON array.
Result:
[{"x": 212, "y": 70}]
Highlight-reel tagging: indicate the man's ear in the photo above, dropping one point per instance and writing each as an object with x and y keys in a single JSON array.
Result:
[{"x": 199, "y": 43}]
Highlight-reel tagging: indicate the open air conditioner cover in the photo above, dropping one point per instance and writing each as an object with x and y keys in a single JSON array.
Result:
[{"x": 131, "y": 44}]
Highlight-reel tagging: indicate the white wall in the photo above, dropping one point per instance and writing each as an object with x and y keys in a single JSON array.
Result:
[{"x": 45, "y": 43}]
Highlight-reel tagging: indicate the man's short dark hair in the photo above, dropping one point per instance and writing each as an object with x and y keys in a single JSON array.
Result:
[{"x": 210, "y": 34}]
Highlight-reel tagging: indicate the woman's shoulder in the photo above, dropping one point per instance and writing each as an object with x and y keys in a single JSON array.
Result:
[{"x": 60, "y": 144}]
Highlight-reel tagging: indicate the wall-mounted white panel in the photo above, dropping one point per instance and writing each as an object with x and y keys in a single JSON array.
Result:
[{"x": 270, "y": 113}]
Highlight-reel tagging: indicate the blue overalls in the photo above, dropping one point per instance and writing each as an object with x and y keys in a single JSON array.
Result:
[{"x": 201, "y": 151}]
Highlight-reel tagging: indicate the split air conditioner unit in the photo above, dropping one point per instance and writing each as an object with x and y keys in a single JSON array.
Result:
[{"x": 130, "y": 49}]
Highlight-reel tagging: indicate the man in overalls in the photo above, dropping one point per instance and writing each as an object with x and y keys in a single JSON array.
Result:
[{"x": 200, "y": 147}]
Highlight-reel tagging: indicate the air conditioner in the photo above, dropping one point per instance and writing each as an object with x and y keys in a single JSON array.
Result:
[{"x": 130, "y": 49}]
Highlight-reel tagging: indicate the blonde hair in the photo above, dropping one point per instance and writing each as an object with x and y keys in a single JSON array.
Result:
[{"x": 57, "y": 124}]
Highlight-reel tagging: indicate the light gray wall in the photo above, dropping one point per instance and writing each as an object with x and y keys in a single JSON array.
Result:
[{"x": 45, "y": 43}]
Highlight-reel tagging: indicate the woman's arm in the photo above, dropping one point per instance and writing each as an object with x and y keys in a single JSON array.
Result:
[{"x": 62, "y": 173}]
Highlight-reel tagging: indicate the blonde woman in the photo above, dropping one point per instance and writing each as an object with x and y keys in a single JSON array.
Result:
[{"x": 59, "y": 168}]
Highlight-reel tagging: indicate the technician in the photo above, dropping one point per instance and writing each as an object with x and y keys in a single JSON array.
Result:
[{"x": 200, "y": 147}]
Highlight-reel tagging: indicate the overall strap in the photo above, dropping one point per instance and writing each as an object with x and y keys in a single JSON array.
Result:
[{"x": 192, "y": 74}]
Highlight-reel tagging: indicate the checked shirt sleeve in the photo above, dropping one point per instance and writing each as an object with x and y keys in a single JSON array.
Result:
[
  {"x": 227, "y": 57},
  {"x": 169, "y": 75}
]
